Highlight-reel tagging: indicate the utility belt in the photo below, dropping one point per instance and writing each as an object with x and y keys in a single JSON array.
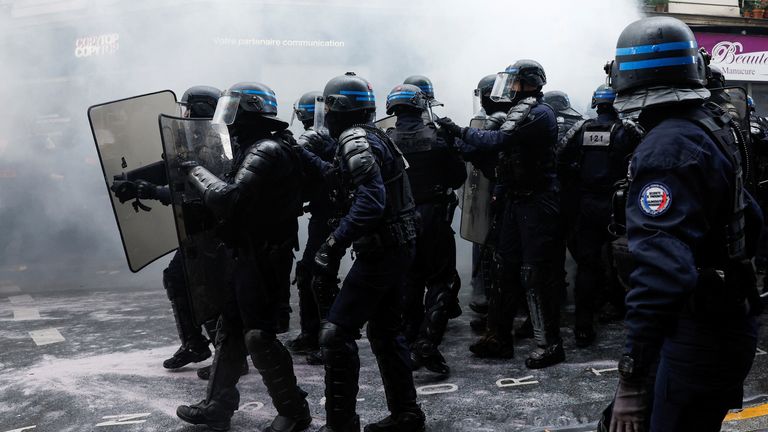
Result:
[{"x": 393, "y": 234}]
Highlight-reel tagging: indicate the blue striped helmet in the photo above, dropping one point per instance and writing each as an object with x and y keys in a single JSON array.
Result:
[
  {"x": 604, "y": 95},
  {"x": 406, "y": 95},
  {"x": 304, "y": 108},
  {"x": 423, "y": 83},
  {"x": 349, "y": 92},
  {"x": 657, "y": 51}
]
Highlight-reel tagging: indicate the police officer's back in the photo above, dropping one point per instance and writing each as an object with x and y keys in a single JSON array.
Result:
[{"x": 689, "y": 222}]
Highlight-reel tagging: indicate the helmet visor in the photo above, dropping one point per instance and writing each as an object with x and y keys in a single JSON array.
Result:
[
  {"x": 319, "y": 123},
  {"x": 503, "y": 87},
  {"x": 476, "y": 102},
  {"x": 226, "y": 110}
]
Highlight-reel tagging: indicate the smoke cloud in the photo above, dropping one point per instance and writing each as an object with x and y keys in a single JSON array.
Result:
[{"x": 59, "y": 57}]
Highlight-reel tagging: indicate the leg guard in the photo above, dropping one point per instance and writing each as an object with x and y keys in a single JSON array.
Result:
[
  {"x": 309, "y": 314},
  {"x": 394, "y": 363},
  {"x": 504, "y": 299},
  {"x": 176, "y": 288},
  {"x": 325, "y": 289},
  {"x": 274, "y": 364},
  {"x": 437, "y": 301},
  {"x": 541, "y": 285},
  {"x": 225, "y": 370},
  {"x": 342, "y": 371}
]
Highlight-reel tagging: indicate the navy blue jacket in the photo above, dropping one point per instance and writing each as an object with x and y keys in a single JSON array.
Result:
[
  {"x": 679, "y": 201},
  {"x": 534, "y": 141}
]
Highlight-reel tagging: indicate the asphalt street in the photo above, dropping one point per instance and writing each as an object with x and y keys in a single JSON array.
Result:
[{"x": 84, "y": 359}]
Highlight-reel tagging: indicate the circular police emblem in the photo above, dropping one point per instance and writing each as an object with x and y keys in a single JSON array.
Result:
[{"x": 655, "y": 199}]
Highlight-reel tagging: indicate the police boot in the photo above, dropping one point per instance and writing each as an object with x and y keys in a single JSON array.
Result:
[
  {"x": 394, "y": 362},
  {"x": 222, "y": 397},
  {"x": 309, "y": 315},
  {"x": 542, "y": 291},
  {"x": 342, "y": 371},
  {"x": 204, "y": 373},
  {"x": 479, "y": 306},
  {"x": 210, "y": 414},
  {"x": 412, "y": 421},
  {"x": 584, "y": 335},
  {"x": 493, "y": 345},
  {"x": 424, "y": 353},
  {"x": 194, "y": 347},
  {"x": 275, "y": 365}
]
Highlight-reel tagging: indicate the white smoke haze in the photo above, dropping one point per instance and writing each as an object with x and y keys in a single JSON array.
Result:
[{"x": 58, "y": 57}]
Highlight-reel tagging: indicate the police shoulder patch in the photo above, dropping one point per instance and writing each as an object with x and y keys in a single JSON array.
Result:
[{"x": 655, "y": 199}]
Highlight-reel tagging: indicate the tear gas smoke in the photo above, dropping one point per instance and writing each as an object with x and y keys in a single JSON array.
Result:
[{"x": 58, "y": 57}]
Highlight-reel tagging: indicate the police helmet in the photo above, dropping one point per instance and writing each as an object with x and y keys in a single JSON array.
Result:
[
  {"x": 423, "y": 83},
  {"x": 406, "y": 95},
  {"x": 526, "y": 71},
  {"x": 200, "y": 101},
  {"x": 304, "y": 108},
  {"x": 657, "y": 62},
  {"x": 750, "y": 104},
  {"x": 349, "y": 92},
  {"x": 604, "y": 95},
  {"x": 485, "y": 85},
  {"x": 248, "y": 100},
  {"x": 715, "y": 77}
]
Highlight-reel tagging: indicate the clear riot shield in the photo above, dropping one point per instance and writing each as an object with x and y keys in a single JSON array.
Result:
[
  {"x": 386, "y": 123},
  {"x": 207, "y": 263},
  {"x": 127, "y": 140},
  {"x": 476, "y": 200}
]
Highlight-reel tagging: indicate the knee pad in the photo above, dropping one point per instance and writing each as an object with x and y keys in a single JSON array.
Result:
[
  {"x": 259, "y": 339},
  {"x": 335, "y": 337}
]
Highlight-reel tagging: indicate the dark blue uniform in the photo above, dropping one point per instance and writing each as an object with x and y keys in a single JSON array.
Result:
[
  {"x": 686, "y": 305},
  {"x": 434, "y": 171},
  {"x": 530, "y": 235},
  {"x": 380, "y": 224},
  {"x": 321, "y": 210},
  {"x": 593, "y": 158}
]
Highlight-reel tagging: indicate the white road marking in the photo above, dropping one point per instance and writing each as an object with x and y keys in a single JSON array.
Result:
[
  {"x": 599, "y": 372},
  {"x": 123, "y": 419},
  {"x": 46, "y": 336},
  {"x": 9, "y": 289},
  {"x": 515, "y": 382},
  {"x": 20, "y": 299},
  {"x": 23, "y": 429},
  {"x": 760, "y": 352},
  {"x": 256, "y": 406},
  {"x": 24, "y": 314},
  {"x": 437, "y": 389}
]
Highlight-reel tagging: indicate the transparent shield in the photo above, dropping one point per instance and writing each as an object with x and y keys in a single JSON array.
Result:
[
  {"x": 386, "y": 123},
  {"x": 476, "y": 199},
  {"x": 476, "y": 102},
  {"x": 128, "y": 141},
  {"x": 226, "y": 110},
  {"x": 206, "y": 259}
]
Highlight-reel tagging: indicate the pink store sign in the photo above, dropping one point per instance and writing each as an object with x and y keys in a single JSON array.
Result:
[{"x": 742, "y": 58}]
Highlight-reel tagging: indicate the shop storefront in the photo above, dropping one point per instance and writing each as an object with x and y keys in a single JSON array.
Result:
[{"x": 743, "y": 59}]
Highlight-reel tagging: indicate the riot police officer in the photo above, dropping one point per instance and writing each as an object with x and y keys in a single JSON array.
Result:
[
  {"x": 592, "y": 158},
  {"x": 691, "y": 226},
  {"x": 321, "y": 209},
  {"x": 380, "y": 223},
  {"x": 434, "y": 172},
  {"x": 567, "y": 117},
  {"x": 530, "y": 237},
  {"x": 256, "y": 206},
  {"x": 196, "y": 102}
]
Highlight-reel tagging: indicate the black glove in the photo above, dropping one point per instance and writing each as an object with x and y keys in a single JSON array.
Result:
[
  {"x": 312, "y": 141},
  {"x": 124, "y": 190},
  {"x": 630, "y": 406},
  {"x": 447, "y": 126},
  {"x": 328, "y": 257},
  {"x": 146, "y": 190}
]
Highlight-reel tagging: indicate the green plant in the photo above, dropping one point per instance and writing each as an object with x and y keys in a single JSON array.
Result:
[
  {"x": 656, "y": 2},
  {"x": 752, "y": 4}
]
